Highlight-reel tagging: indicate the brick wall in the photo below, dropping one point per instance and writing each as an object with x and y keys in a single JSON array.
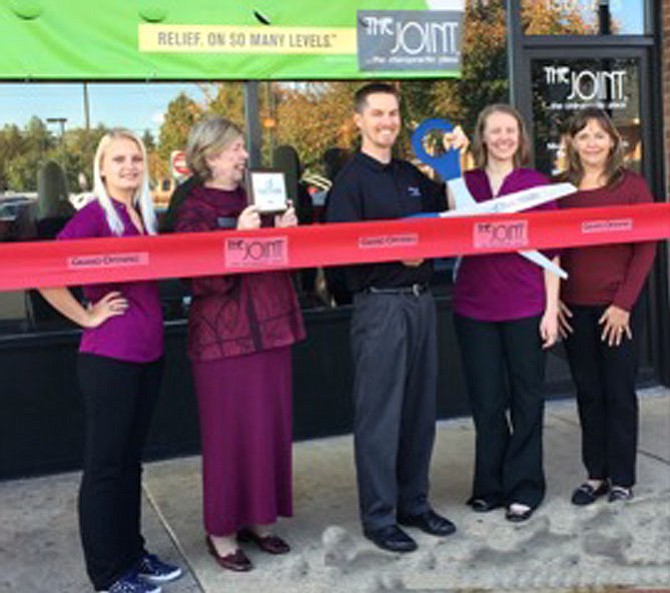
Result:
[{"x": 666, "y": 90}]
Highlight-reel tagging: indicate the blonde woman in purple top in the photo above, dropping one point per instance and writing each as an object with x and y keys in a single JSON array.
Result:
[
  {"x": 505, "y": 315},
  {"x": 120, "y": 367}
]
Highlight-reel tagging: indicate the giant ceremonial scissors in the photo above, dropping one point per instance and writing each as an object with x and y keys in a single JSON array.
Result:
[{"x": 448, "y": 165}]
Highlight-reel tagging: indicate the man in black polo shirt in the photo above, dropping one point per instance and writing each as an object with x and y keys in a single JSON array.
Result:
[{"x": 393, "y": 334}]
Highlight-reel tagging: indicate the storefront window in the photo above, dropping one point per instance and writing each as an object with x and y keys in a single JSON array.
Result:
[
  {"x": 50, "y": 132},
  {"x": 314, "y": 119},
  {"x": 583, "y": 17},
  {"x": 560, "y": 87},
  {"x": 47, "y": 144}
]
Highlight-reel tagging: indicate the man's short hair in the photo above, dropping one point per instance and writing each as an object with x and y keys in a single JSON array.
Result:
[{"x": 362, "y": 94}]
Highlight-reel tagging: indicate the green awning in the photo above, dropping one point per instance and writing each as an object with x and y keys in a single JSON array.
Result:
[{"x": 239, "y": 40}]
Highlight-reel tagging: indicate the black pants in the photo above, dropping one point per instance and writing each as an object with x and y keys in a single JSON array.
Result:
[
  {"x": 504, "y": 370},
  {"x": 394, "y": 346},
  {"x": 606, "y": 399},
  {"x": 119, "y": 400}
]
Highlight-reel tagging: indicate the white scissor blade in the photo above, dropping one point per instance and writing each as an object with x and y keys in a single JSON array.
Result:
[
  {"x": 544, "y": 262},
  {"x": 461, "y": 193},
  {"x": 514, "y": 202},
  {"x": 525, "y": 199}
]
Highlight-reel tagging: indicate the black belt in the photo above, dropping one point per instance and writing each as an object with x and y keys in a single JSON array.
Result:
[{"x": 415, "y": 289}]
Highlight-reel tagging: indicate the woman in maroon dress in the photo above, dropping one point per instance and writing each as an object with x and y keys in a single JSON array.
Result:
[
  {"x": 241, "y": 328},
  {"x": 599, "y": 313}
]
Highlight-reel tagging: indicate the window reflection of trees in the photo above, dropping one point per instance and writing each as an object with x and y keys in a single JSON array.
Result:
[
  {"x": 312, "y": 117},
  {"x": 583, "y": 17}
]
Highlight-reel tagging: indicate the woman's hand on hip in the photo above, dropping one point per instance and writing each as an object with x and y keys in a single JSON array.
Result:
[
  {"x": 616, "y": 323},
  {"x": 249, "y": 219},
  {"x": 111, "y": 305},
  {"x": 564, "y": 316}
]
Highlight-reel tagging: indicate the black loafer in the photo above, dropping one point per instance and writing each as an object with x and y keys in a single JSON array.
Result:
[
  {"x": 391, "y": 538},
  {"x": 429, "y": 522},
  {"x": 481, "y": 505},
  {"x": 518, "y": 516},
  {"x": 620, "y": 493},
  {"x": 587, "y": 494}
]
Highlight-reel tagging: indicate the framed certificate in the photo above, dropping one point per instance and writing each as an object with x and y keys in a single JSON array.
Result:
[{"x": 266, "y": 189}]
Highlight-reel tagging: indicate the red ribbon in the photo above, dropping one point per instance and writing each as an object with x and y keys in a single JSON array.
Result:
[{"x": 87, "y": 261}]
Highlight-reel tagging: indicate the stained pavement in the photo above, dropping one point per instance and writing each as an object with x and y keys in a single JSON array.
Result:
[{"x": 622, "y": 547}]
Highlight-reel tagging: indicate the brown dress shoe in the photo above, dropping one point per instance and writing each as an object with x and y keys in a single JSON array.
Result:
[
  {"x": 236, "y": 561},
  {"x": 272, "y": 544}
]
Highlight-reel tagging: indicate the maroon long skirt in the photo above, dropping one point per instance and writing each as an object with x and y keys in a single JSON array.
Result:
[{"x": 245, "y": 406}]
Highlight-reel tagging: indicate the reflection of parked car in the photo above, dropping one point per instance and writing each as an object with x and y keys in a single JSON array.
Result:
[
  {"x": 10, "y": 207},
  {"x": 163, "y": 191},
  {"x": 16, "y": 215}
]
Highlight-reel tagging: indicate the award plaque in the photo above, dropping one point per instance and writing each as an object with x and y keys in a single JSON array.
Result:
[{"x": 266, "y": 189}]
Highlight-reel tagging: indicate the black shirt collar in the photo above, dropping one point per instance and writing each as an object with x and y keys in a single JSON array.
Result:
[{"x": 373, "y": 163}]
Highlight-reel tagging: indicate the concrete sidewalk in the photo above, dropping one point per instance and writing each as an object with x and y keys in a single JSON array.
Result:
[{"x": 561, "y": 548}]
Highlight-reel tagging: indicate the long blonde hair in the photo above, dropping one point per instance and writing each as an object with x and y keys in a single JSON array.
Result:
[{"x": 142, "y": 198}]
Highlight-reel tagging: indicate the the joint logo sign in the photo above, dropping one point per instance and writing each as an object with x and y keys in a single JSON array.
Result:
[
  {"x": 492, "y": 235},
  {"x": 409, "y": 39},
  {"x": 573, "y": 88},
  {"x": 248, "y": 252}
]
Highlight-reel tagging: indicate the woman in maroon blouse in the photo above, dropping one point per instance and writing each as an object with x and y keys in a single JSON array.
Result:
[
  {"x": 241, "y": 329},
  {"x": 598, "y": 313},
  {"x": 505, "y": 317}
]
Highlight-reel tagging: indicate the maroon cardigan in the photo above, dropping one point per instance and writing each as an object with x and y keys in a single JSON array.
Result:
[{"x": 241, "y": 313}]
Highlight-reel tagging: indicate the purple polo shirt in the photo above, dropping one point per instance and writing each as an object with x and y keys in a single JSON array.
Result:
[
  {"x": 504, "y": 286},
  {"x": 137, "y": 335}
]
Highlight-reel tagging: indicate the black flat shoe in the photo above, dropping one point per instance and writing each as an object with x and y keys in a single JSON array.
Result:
[
  {"x": 391, "y": 538},
  {"x": 429, "y": 522},
  {"x": 481, "y": 505},
  {"x": 587, "y": 494},
  {"x": 518, "y": 516},
  {"x": 620, "y": 493}
]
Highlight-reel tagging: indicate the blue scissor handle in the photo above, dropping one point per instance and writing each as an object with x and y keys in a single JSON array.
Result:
[{"x": 448, "y": 165}]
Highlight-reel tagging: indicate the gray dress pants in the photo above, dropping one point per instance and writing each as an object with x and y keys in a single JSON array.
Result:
[{"x": 394, "y": 345}]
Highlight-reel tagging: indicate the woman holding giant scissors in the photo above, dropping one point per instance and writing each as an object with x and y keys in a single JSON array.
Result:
[{"x": 505, "y": 315}]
